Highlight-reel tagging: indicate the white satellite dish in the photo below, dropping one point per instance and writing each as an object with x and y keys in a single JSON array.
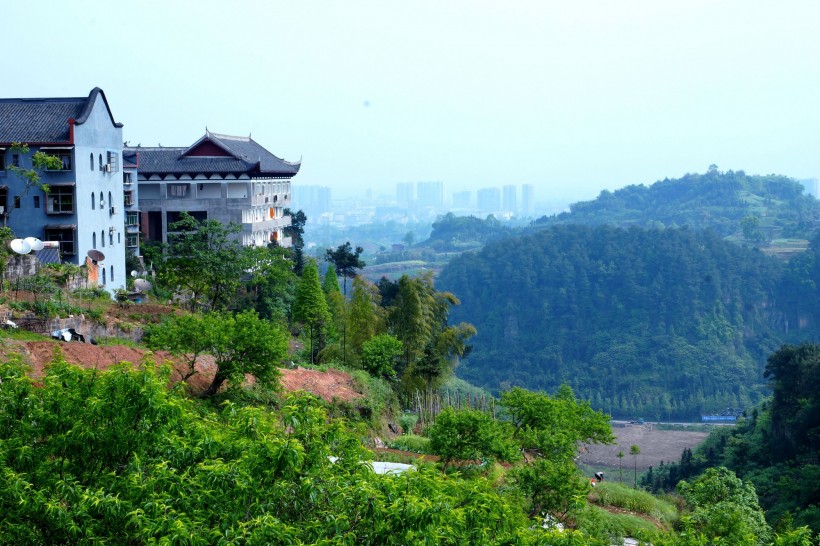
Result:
[
  {"x": 20, "y": 246},
  {"x": 35, "y": 243},
  {"x": 133, "y": 273},
  {"x": 142, "y": 285}
]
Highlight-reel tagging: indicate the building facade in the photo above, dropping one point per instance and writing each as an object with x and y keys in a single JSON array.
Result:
[
  {"x": 80, "y": 209},
  {"x": 220, "y": 177}
]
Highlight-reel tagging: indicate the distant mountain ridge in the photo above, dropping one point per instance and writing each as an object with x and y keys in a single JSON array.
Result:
[
  {"x": 640, "y": 299},
  {"x": 714, "y": 200}
]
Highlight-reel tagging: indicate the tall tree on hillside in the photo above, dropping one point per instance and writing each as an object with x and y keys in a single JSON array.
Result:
[
  {"x": 347, "y": 262},
  {"x": 240, "y": 344},
  {"x": 331, "y": 282},
  {"x": 366, "y": 316},
  {"x": 310, "y": 307},
  {"x": 296, "y": 231},
  {"x": 635, "y": 450},
  {"x": 419, "y": 318},
  {"x": 205, "y": 260}
]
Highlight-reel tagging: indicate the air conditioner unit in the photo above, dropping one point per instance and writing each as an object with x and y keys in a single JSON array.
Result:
[
  {"x": 113, "y": 210},
  {"x": 108, "y": 167}
]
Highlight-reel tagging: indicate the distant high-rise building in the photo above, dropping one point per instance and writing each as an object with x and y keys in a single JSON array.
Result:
[
  {"x": 812, "y": 186},
  {"x": 430, "y": 194},
  {"x": 527, "y": 199},
  {"x": 510, "y": 203},
  {"x": 404, "y": 194},
  {"x": 312, "y": 200},
  {"x": 489, "y": 200},
  {"x": 463, "y": 199}
]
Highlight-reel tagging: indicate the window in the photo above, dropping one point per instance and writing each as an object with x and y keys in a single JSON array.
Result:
[
  {"x": 91, "y": 161},
  {"x": 60, "y": 200},
  {"x": 64, "y": 235},
  {"x": 178, "y": 190},
  {"x": 128, "y": 198},
  {"x": 17, "y": 201},
  {"x": 94, "y": 240},
  {"x": 111, "y": 237},
  {"x": 102, "y": 201},
  {"x": 112, "y": 273},
  {"x": 103, "y": 272},
  {"x": 101, "y": 165},
  {"x": 114, "y": 161},
  {"x": 126, "y": 179},
  {"x": 36, "y": 201},
  {"x": 93, "y": 200},
  {"x": 15, "y": 160},
  {"x": 119, "y": 238},
  {"x": 65, "y": 158},
  {"x": 132, "y": 240},
  {"x": 102, "y": 238},
  {"x": 132, "y": 218},
  {"x": 2, "y": 159},
  {"x": 110, "y": 202}
]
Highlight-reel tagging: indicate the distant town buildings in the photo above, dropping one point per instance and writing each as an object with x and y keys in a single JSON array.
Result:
[
  {"x": 313, "y": 200},
  {"x": 463, "y": 200},
  {"x": 510, "y": 203},
  {"x": 811, "y": 186},
  {"x": 488, "y": 200},
  {"x": 405, "y": 195},
  {"x": 527, "y": 200},
  {"x": 430, "y": 194}
]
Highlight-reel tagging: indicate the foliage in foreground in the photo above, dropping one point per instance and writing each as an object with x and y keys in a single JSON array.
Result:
[{"x": 92, "y": 456}]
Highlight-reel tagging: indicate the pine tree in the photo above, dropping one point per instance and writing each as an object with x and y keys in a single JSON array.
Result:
[{"x": 310, "y": 307}]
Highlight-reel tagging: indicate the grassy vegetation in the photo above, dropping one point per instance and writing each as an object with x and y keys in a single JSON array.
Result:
[
  {"x": 611, "y": 527},
  {"x": 411, "y": 442},
  {"x": 633, "y": 500},
  {"x": 23, "y": 335}
]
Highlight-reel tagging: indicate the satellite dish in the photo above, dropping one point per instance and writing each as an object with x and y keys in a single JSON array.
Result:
[
  {"x": 133, "y": 273},
  {"x": 142, "y": 285},
  {"x": 20, "y": 246},
  {"x": 102, "y": 202},
  {"x": 96, "y": 255},
  {"x": 35, "y": 243}
]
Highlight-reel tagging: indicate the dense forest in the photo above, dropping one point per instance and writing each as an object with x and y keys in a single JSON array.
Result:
[
  {"x": 773, "y": 206},
  {"x": 660, "y": 323},
  {"x": 774, "y": 446}
]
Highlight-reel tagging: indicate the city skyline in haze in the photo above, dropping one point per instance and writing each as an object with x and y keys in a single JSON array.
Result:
[{"x": 570, "y": 98}]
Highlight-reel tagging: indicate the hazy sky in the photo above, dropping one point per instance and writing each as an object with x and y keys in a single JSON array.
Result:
[{"x": 571, "y": 96}]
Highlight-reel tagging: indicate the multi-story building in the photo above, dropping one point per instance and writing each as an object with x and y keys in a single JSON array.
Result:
[
  {"x": 314, "y": 201},
  {"x": 80, "y": 209},
  {"x": 219, "y": 177},
  {"x": 462, "y": 199},
  {"x": 430, "y": 194},
  {"x": 510, "y": 203},
  {"x": 488, "y": 200},
  {"x": 404, "y": 194},
  {"x": 527, "y": 199}
]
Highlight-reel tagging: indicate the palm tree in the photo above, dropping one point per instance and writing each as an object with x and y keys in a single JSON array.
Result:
[{"x": 634, "y": 450}]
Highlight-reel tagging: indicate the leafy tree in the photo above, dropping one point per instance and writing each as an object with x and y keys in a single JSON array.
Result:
[
  {"x": 331, "y": 282},
  {"x": 366, "y": 317},
  {"x": 553, "y": 426},
  {"x": 620, "y": 456},
  {"x": 240, "y": 344},
  {"x": 271, "y": 287},
  {"x": 347, "y": 261},
  {"x": 296, "y": 231},
  {"x": 310, "y": 307},
  {"x": 469, "y": 435},
  {"x": 204, "y": 259},
  {"x": 40, "y": 161},
  {"x": 379, "y": 355},
  {"x": 551, "y": 487},
  {"x": 725, "y": 507}
]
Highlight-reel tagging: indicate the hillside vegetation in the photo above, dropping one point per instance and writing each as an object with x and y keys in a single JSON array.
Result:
[{"x": 754, "y": 207}]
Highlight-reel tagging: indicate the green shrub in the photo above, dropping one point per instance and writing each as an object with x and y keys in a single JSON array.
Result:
[
  {"x": 407, "y": 422},
  {"x": 622, "y": 496},
  {"x": 411, "y": 442},
  {"x": 91, "y": 293}
]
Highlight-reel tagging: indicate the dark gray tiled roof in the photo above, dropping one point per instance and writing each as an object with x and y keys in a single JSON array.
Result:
[
  {"x": 45, "y": 120},
  {"x": 246, "y": 157}
]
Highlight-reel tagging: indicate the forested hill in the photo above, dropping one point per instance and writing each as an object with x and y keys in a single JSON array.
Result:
[
  {"x": 659, "y": 323},
  {"x": 773, "y": 206}
]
